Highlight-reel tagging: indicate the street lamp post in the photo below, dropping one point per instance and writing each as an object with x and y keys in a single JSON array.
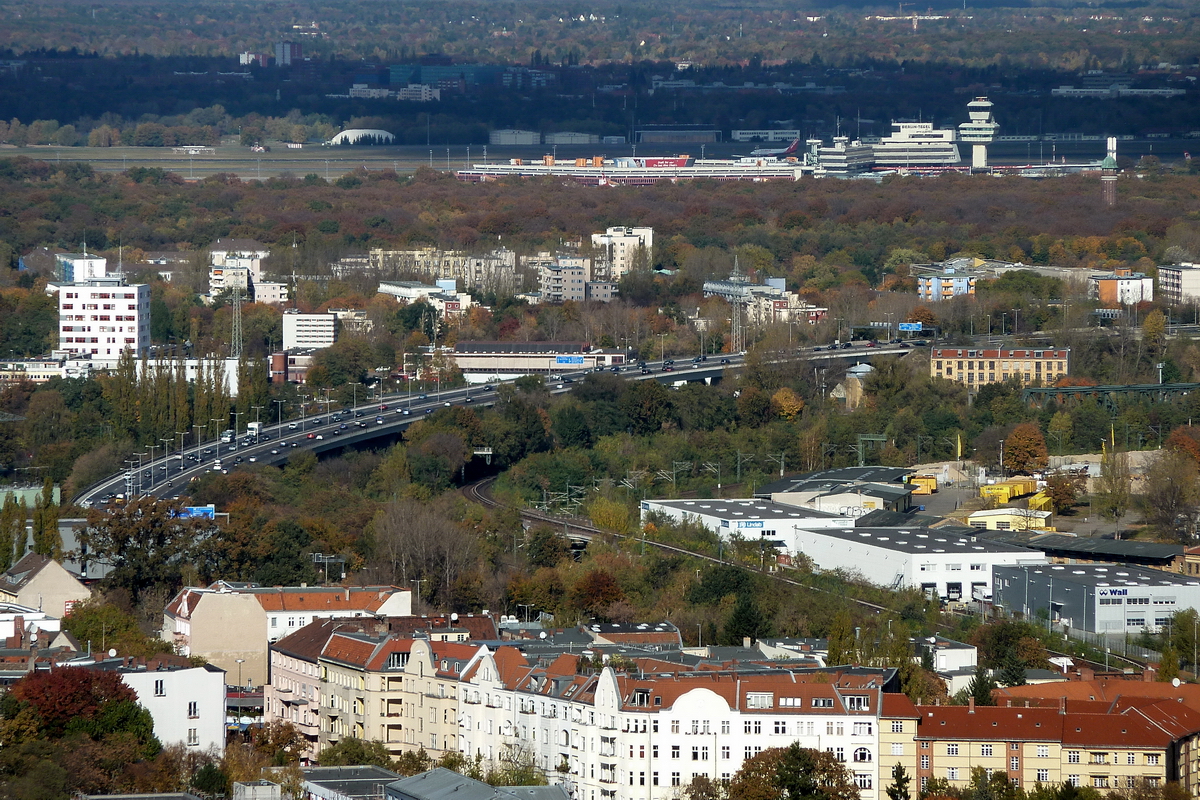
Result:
[
  {"x": 280, "y": 404},
  {"x": 239, "y": 662},
  {"x": 196, "y": 426}
]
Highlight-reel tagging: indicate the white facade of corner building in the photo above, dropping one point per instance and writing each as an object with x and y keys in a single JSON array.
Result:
[
  {"x": 614, "y": 753},
  {"x": 187, "y": 705}
]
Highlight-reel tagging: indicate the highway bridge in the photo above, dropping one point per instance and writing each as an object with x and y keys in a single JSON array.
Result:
[{"x": 372, "y": 424}]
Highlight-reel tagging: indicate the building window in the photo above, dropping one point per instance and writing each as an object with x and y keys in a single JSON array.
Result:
[
  {"x": 924, "y": 762},
  {"x": 862, "y": 755},
  {"x": 1100, "y": 781},
  {"x": 985, "y": 750},
  {"x": 193, "y": 710},
  {"x": 951, "y": 773},
  {"x": 725, "y": 752},
  {"x": 1043, "y": 751},
  {"x": 674, "y": 778},
  {"x": 724, "y": 726},
  {"x": 862, "y": 729},
  {"x": 897, "y": 726},
  {"x": 1151, "y": 759},
  {"x": 674, "y": 726},
  {"x": 160, "y": 689},
  {"x": 674, "y": 751},
  {"x": 862, "y": 780},
  {"x": 952, "y": 749},
  {"x": 897, "y": 748},
  {"x": 1014, "y": 764},
  {"x": 780, "y": 726},
  {"x": 1043, "y": 775},
  {"x": 1072, "y": 756},
  {"x": 1073, "y": 780},
  {"x": 924, "y": 782},
  {"x": 193, "y": 737}
]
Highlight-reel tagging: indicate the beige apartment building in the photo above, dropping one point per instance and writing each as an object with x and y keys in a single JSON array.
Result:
[
  {"x": 431, "y": 681},
  {"x": 362, "y": 682},
  {"x": 1101, "y": 745},
  {"x": 978, "y": 367}
]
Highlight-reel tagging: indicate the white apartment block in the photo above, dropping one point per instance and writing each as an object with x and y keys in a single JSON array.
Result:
[
  {"x": 79, "y": 267},
  {"x": 103, "y": 317},
  {"x": 1179, "y": 283},
  {"x": 223, "y": 278},
  {"x": 186, "y": 703},
  {"x": 564, "y": 278},
  {"x": 617, "y": 737},
  {"x": 622, "y": 247},
  {"x": 304, "y": 331},
  {"x": 245, "y": 253},
  {"x": 270, "y": 292}
]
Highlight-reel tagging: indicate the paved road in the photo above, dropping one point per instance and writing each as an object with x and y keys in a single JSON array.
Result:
[{"x": 169, "y": 475}]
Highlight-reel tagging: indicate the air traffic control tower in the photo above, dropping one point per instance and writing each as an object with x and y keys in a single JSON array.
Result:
[{"x": 979, "y": 132}]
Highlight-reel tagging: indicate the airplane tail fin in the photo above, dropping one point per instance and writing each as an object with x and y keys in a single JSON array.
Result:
[{"x": 792, "y": 148}]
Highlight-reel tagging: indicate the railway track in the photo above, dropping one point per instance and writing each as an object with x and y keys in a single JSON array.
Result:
[{"x": 577, "y": 528}]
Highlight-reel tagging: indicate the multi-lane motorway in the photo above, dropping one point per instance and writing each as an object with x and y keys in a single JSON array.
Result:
[{"x": 169, "y": 475}]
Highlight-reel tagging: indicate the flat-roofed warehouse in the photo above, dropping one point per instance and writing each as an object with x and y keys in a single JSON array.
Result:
[
  {"x": 757, "y": 520},
  {"x": 1100, "y": 598},
  {"x": 949, "y": 565}
]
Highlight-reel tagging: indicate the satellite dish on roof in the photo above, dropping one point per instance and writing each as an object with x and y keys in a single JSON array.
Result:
[
  {"x": 454, "y": 617},
  {"x": 542, "y": 635},
  {"x": 1175, "y": 682},
  {"x": 112, "y": 652}
]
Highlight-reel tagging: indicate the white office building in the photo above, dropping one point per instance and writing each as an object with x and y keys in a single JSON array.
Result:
[
  {"x": 303, "y": 331},
  {"x": 443, "y": 297},
  {"x": 623, "y": 247},
  {"x": 102, "y": 317}
]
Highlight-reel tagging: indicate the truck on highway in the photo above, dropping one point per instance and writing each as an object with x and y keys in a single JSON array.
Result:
[
  {"x": 226, "y": 436},
  {"x": 253, "y": 429}
]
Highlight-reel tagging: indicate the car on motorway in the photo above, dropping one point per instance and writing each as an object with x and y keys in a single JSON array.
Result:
[
  {"x": 338, "y": 431},
  {"x": 646, "y": 370},
  {"x": 818, "y": 349},
  {"x": 616, "y": 368},
  {"x": 446, "y": 404},
  {"x": 361, "y": 424},
  {"x": 383, "y": 407},
  {"x": 336, "y": 418},
  {"x": 318, "y": 421},
  {"x": 379, "y": 420},
  {"x": 320, "y": 437},
  {"x": 469, "y": 399},
  {"x": 343, "y": 426},
  {"x": 847, "y": 345},
  {"x": 360, "y": 414},
  {"x": 274, "y": 452},
  {"x": 558, "y": 386},
  {"x": 871, "y": 343},
  {"x": 253, "y": 459},
  {"x": 423, "y": 397},
  {"x": 670, "y": 362},
  {"x": 487, "y": 387},
  {"x": 568, "y": 380},
  {"x": 725, "y": 361},
  {"x": 311, "y": 436},
  {"x": 668, "y": 368},
  {"x": 293, "y": 425},
  {"x": 294, "y": 444},
  {"x": 238, "y": 460}
]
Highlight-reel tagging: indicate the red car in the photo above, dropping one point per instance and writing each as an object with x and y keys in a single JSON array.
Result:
[
  {"x": 383, "y": 406},
  {"x": 311, "y": 436}
]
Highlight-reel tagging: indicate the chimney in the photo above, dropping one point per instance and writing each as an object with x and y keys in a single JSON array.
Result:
[
  {"x": 347, "y": 594},
  {"x": 1148, "y": 675},
  {"x": 1087, "y": 674},
  {"x": 746, "y": 642},
  {"x": 970, "y": 705},
  {"x": 1062, "y": 705}
]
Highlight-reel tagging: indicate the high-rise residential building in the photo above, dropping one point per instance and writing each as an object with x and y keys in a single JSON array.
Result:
[
  {"x": 302, "y": 331},
  {"x": 102, "y": 317},
  {"x": 625, "y": 248},
  {"x": 287, "y": 53}
]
